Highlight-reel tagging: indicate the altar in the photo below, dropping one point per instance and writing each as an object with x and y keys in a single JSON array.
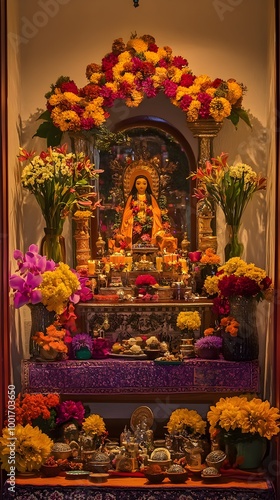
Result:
[{"x": 138, "y": 488}]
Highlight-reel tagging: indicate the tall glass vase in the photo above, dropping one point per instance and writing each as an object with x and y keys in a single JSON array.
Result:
[
  {"x": 41, "y": 318},
  {"x": 233, "y": 248},
  {"x": 53, "y": 245},
  {"x": 244, "y": 346}
]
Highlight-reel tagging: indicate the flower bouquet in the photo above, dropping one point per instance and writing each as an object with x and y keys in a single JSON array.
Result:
[
  {"x": 210, "y": 257},
  {"x": 49, "y": 290},
  {"x": 37, "y": 410},
  {"x": 231, "y": 187},
  {"x": 208, "y": 347},
  {"x": 70, "y": 410},
  {"x": 31, "y": 448},
  {"x": 37, "y": 279},
  {"x": 82, "y": 344},
  {"x": 56, "y": 179},
  {"x": 144, "y": 284},
  {"x": 94, "y": 425},
  {"x": 100, "y": 348},
  {"x": 51, "y": 343},
  {"x": 239, "y": 421},
  {"x": 188, "y": 320},
  {"x": 186, "y": 422},
  {"x": 236, "y": 288},
  {"x": 237, "y": 278}
]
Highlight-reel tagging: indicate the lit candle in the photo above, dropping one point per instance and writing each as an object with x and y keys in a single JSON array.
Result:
[
  {"x": 128, "y": 262},
  {"x": 166, "y": 258},
  {"x": 159, "y": 264},
  {"x": 91, "y": 267},
  {"x": 183, "y": 263}
]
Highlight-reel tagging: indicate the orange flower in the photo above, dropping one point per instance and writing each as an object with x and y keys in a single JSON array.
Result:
[
  {"x": 31, "y": 406},
  {"x": 231, "y": 325},
  {"x": 210, "y": 257},
  {"x": 53, "y": 338},
  {"x": 209, "y": 331}
]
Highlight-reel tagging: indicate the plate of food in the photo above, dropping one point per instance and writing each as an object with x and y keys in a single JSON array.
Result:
[
  {"x": 168, "y": 359},
  {"x": 77, "y": 474},
  {"x": 127, "y": 356}
]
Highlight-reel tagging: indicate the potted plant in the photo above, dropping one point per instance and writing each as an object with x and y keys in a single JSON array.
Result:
[
  {"x": 244, "y": 427},
  {"x": 82, "y": 345},
  {"x": 208, "y": 347},
  {"x": 51, "y": 344}
]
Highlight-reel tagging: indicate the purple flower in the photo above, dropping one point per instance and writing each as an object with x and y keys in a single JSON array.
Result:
[
  {"x": 209, "y": 342},
  {"x": 31, "y": 266},
  {"x": 82, "y": 340}
]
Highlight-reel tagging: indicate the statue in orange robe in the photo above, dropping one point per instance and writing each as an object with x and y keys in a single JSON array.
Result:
[{"x": 141, "y": 220}]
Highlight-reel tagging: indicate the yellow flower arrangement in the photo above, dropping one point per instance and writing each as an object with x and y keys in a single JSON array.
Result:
[
  {"x": 241, "y": 416},
  {"x": 27, "y": 449},
  {"x": 184, "y": 420},
  {"x": 94, "y": 425},
  {"x": 52, "y": 339},
  {"x": 57, "y": 287},
  {"x": 189, "y": 320},
  {"x": 237, "y": 278}
]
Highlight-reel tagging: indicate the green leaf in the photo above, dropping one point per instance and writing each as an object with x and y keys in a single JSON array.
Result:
[
  {"x": 45, "y": 116},
  {"x": 236, "y": 114},
  {"x": 43, "y": 130},
  {"x": 54, "y": 137},
  {"x": 48, "y": 131}
]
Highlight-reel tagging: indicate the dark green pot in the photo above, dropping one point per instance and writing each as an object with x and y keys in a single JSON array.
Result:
[{"x": 83, "y": 353}]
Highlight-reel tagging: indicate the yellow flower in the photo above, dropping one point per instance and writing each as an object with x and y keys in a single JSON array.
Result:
[
  {"x": 244, "y": 415},
  {"x": 31, "y": 446},
  {"x": 57, "y": 287},
  {"x": 94, "y": 424},
  {"x": 211, "y": 285},
  {"x": 220, "y": 108},
  {"x": 183, "y": 419},
  {"x": 188, "y": 320}
]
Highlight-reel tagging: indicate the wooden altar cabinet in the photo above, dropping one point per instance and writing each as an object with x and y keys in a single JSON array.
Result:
[{"x": 125, "y": 319}]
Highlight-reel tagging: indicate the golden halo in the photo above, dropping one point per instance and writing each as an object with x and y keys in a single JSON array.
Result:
[{"x": 137, "y": 168}]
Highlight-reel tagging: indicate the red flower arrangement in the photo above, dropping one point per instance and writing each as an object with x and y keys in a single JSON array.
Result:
[
  {"x": 100, "y": 348},
  {"x": 145, "y": 280},
  {"x": 70, "y": 410},
  {"x": 236, "y": 278}
]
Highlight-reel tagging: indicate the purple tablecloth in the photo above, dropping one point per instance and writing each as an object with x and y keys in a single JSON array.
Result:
[{"x": 101, "y": 377}]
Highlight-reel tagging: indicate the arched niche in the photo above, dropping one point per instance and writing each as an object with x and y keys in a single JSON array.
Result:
[{"x": 150, "y": 137}]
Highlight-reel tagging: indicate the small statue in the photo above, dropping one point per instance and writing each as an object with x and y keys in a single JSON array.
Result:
[
  {"x": 100, "y": 245},
  {"x": 185, "y": 244}
]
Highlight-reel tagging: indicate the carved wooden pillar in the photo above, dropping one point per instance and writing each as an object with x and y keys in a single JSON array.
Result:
[
  {"x": 205, "y": 131},
  {"x": 85, "y": 243}
]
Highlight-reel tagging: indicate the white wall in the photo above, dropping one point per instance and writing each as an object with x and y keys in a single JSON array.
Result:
[{"x": 49, "y": 38}]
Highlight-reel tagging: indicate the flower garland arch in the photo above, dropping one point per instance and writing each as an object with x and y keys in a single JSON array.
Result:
[{"x": 131, "y": 72}]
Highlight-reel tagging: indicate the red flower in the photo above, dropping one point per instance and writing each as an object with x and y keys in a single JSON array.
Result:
[{"x": 145, "y": 280}]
